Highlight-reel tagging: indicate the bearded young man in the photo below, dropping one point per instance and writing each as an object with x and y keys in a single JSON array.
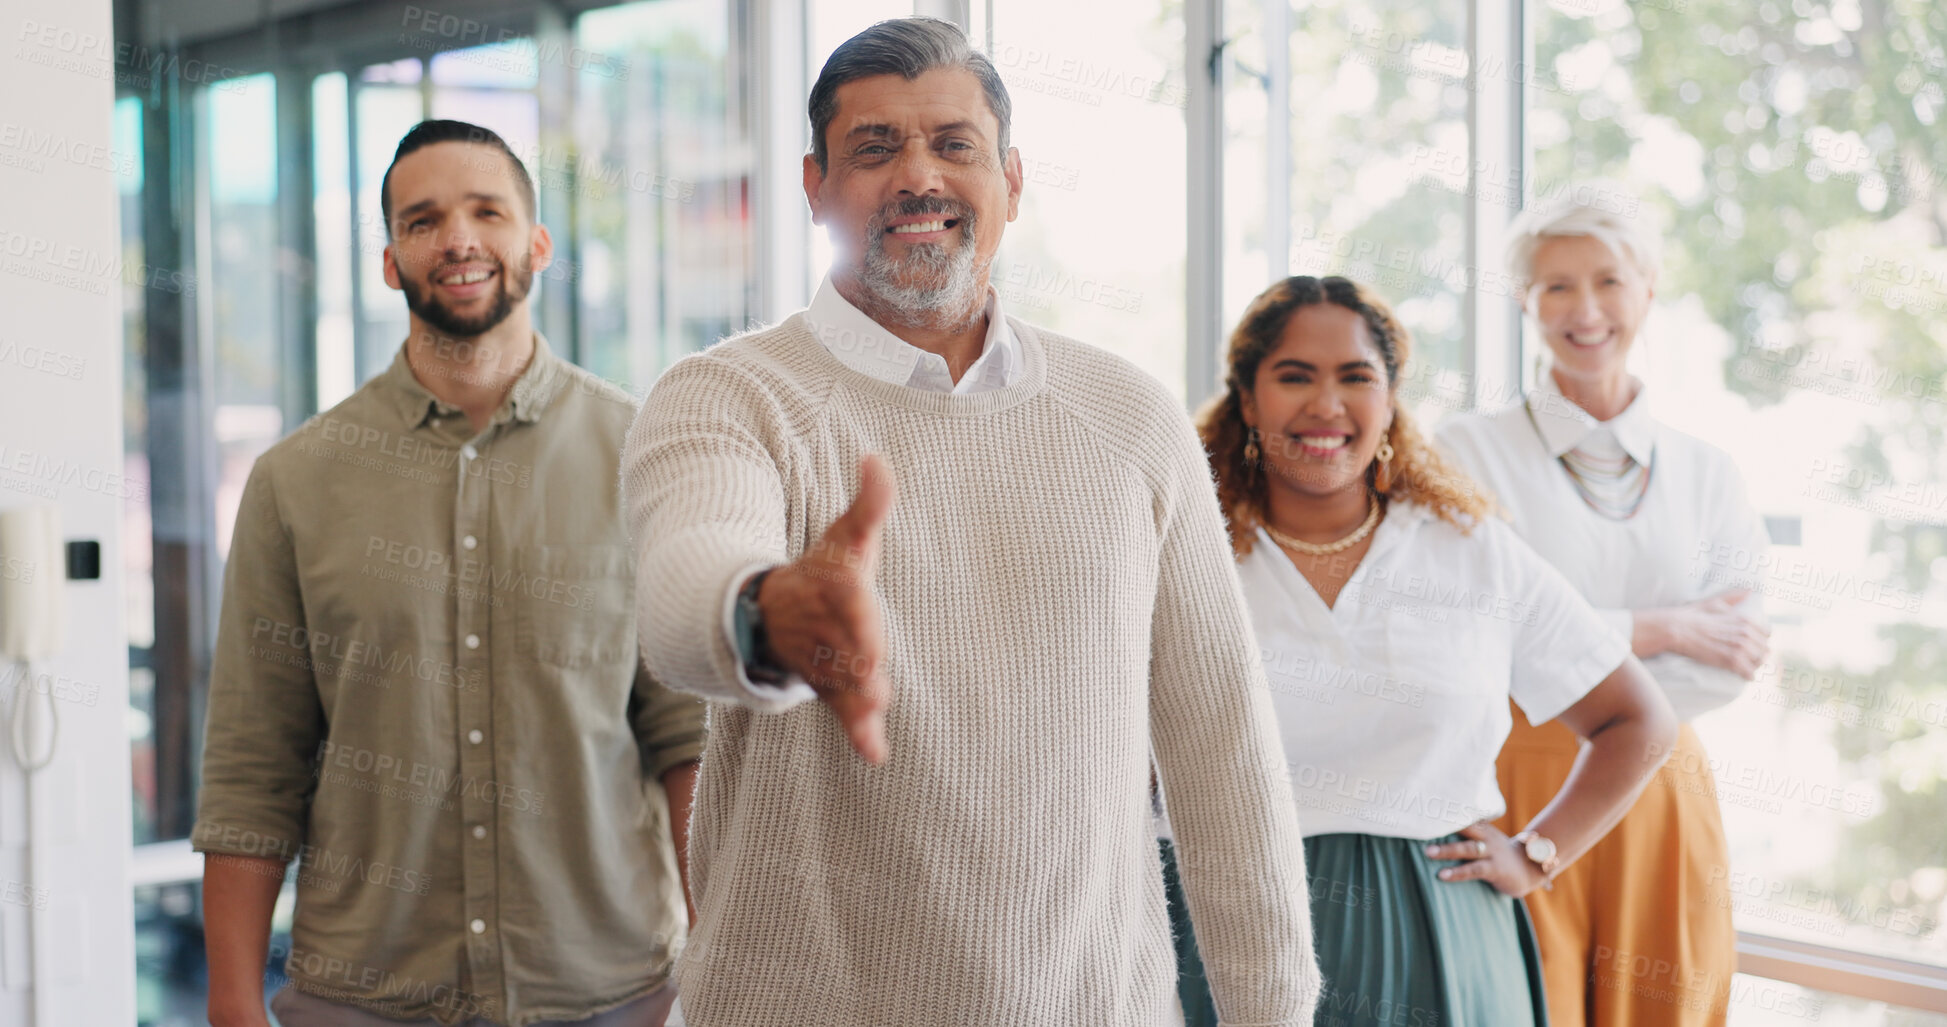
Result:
[
  {"x": 959, "y": 831},
  {"x": 425, "y": 686}
]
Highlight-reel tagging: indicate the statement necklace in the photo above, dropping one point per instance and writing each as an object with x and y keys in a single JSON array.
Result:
[
  {"x": 1613, "y": 487},
  {"x": 1328, "y": 548}
]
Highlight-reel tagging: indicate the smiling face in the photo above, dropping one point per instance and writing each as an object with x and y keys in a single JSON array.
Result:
[
  {"x": 464, "y": 246},
  {"x": 1321, "y": 403},
  {"x": 915, "y": 193},
  {"x": 1588, "y": 302}
]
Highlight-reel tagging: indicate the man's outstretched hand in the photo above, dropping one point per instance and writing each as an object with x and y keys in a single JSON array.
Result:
[{"x": 823, "y": 621}]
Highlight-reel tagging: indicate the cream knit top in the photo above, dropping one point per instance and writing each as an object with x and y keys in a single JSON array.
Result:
[{"x": 1059, "y": 597}]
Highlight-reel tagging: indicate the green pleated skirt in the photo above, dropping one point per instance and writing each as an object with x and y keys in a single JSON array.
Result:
[{"x": 1398, "y": 946}]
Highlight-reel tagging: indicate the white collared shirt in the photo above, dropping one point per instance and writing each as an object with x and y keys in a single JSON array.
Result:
[
  {"x": 1564, "y": 426},
  {"x": 1393, "y": 702},
  {"x": 865, "y": 346},
  {"x": 1694, "y": 536}
]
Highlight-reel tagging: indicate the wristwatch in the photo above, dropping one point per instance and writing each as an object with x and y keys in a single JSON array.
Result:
[
  {"x": 1541, "y": 852},
  {"x": 753, "y": 643}
]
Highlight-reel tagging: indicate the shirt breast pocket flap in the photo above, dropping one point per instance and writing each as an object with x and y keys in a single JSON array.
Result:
[{"x": 574, "y": 605}]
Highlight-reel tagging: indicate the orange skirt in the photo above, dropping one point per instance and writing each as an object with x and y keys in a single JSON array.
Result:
[{"x": 1638, "y": 931}]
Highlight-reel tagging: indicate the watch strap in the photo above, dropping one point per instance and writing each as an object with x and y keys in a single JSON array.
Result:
[
  {"x": 753, "y": 642},
  {"x": 1548, "y": 868}
]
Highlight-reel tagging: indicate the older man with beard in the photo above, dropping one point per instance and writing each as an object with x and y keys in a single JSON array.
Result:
[
  {"x": 425, "y": 687},
  {"x": 958, "y": 831}
]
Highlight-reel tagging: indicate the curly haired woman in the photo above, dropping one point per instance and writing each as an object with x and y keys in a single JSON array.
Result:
[{"x": 1397, "y": 617}]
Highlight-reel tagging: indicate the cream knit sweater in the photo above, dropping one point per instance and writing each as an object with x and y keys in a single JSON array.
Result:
[{"x": 1059, "y": 598}]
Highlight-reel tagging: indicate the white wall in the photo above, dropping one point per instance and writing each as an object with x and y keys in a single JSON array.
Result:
[{"x": 61, "y": 441}]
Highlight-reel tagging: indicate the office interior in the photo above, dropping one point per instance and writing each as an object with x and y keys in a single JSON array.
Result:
[{"x": 194, "y": 270}]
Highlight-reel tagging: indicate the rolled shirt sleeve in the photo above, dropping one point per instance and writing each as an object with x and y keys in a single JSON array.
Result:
[
  {"x": 669, "y": 726},
  {"x": 265, "y": 721}
]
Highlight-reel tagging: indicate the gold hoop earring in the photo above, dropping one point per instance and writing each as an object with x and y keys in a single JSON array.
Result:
[{"x": 1251, "y": 453}]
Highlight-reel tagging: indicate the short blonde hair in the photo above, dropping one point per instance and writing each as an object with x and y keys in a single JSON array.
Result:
[{"x": 1599, "y": 210}]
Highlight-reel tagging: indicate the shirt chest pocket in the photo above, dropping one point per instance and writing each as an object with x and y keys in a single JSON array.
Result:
[{"x": 574, "y": 606}]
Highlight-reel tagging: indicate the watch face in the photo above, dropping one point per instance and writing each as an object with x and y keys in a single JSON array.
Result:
[{"x": 1540, "y": 849}]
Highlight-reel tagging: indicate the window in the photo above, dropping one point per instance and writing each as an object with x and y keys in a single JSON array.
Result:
[
  {"x": 1099, "y": 250},
  {"x": 265, "y": 187},
  {"x": 661, "y": 184},
  {"x": 1788, "y": 150},
  {"x": 1346, "y": 152},
  {"x": 1790, "y": 157}
]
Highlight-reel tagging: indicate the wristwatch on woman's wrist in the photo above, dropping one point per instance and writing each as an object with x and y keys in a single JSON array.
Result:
[{"x": 1541, "y": 852}]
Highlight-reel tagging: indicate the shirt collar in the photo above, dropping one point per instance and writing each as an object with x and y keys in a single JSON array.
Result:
[
  {"x": 867, "y": 347},
  {"x": 1564, "y": 425},
  {"x": 532, "y": 392}
]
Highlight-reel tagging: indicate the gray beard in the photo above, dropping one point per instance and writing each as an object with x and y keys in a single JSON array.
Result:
[{"x": 933, "y": 288}]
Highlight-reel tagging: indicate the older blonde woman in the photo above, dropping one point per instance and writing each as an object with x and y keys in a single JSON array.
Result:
[{"x": 1644, "y": 521}]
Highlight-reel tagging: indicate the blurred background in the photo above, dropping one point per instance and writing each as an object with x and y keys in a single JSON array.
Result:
[{"x": 1180, "y": 155}]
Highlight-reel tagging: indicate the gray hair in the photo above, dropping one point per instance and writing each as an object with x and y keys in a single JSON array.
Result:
[
  {"x": 909, "y": 48},
  {"x": 1599, "y": 210}
]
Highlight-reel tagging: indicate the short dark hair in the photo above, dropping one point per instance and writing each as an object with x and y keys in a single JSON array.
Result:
[
  {"x": 909, "y": 48},
  {"x": 427, "y": 133}
]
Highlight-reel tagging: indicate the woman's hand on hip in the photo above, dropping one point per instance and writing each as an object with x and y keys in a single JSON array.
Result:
[{"x": 1488, "y": 855}]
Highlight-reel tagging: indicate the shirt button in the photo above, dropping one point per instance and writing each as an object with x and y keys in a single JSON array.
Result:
[
  {"x": 473, "y": 641},
  {"x": 469, "y": 542},
  {"x": 479, "y": 831},
  {"x": 469, "y": 452},
  {"x": 478, "y": 926},
  {"x": 475, "y": 736}
]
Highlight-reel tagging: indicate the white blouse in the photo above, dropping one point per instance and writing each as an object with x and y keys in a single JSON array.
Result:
[
  {"x": 1393, "y": 701},
  {"x": 1694, "y": 536}
]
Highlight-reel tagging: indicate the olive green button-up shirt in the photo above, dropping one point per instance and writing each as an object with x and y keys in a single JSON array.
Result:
[{"x": 426, "y": 690}]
